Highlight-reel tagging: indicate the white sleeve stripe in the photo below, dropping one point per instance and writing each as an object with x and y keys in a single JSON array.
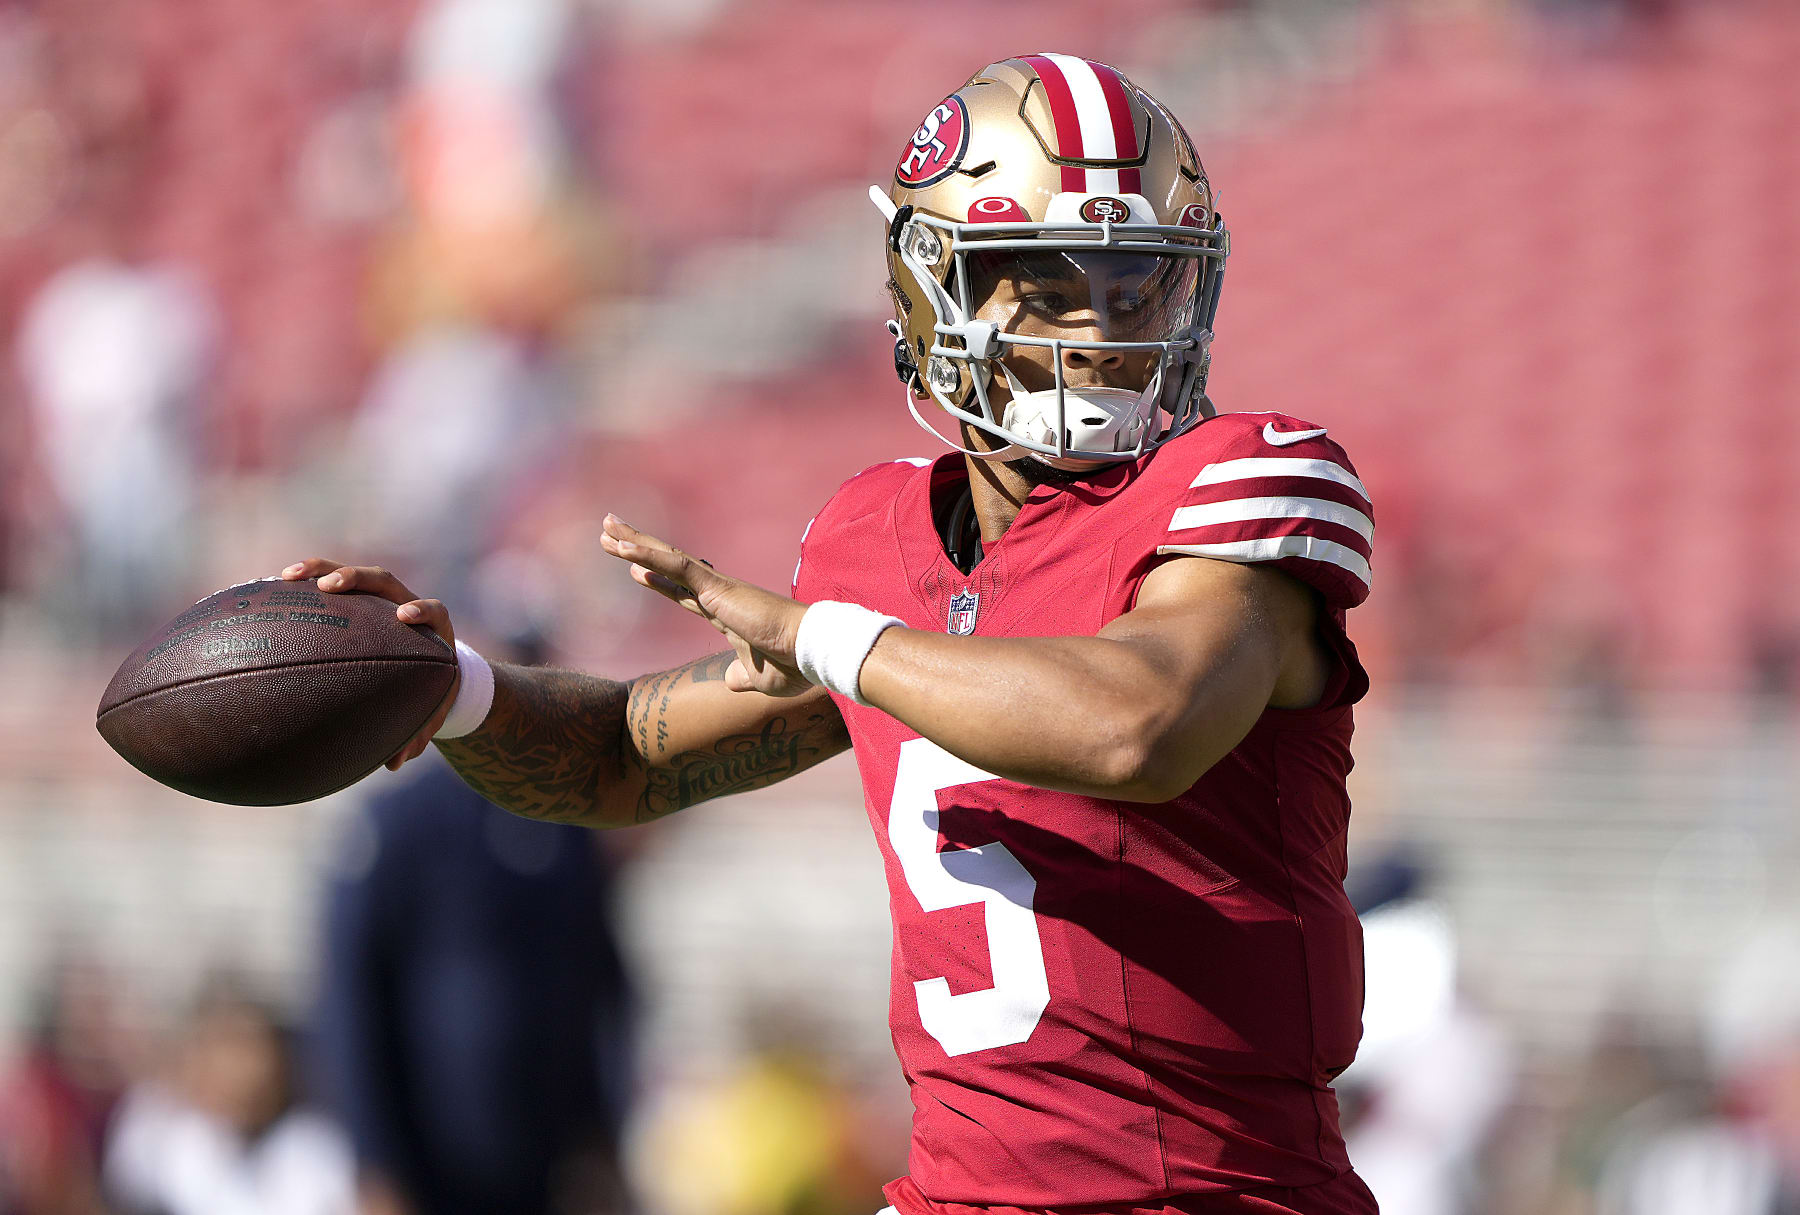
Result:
[
  {"x": 1239, "y": 510},
  {"x": 1275, "y": 466},
  {"x": 1273, "y": 548},
  {"x": 794, "y": 582}
]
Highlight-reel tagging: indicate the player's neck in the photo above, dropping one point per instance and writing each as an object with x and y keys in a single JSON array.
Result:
[{"x": 997, "y": 494}]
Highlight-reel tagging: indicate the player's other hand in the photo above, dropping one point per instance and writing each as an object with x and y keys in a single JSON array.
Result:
[
  {"x": 335, "y": 577},
  {"x": 760, "y": 625}
]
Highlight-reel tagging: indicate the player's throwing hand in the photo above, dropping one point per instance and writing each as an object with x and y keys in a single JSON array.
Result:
[
  {"x": 761, "y": 626},
  {"x": 336, "y": 578}
]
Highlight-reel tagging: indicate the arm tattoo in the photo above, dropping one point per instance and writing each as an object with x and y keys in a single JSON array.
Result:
[
  {"x": 550, "y": 744},
  {"x": 572, "y": 748},
  {"x": 743, "y": 762}
]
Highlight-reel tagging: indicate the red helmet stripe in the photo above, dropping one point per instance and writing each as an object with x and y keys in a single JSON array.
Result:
[
  {"x": 1063, "y": 114},
  {"x": 1124, "y": 130}
]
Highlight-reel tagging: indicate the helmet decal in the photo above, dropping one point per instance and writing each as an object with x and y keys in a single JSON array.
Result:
[
  {"x": 1104, "y": 210},
  {"x": 1194, "y": 215},
  {"x": 1092, "y": 115},
  {"x": 997, "y": 210},
  {"x": 938, "y": 145}
]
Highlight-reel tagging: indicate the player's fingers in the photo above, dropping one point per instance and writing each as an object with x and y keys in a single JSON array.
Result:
[
  {"x": 312, "y": 567},
  {"x": 371, "y": 579},
  {"x": 407, "y": 754},
  {"x": 674, "y": 592},
  {"x": 623, "y": 540},
  {"x": 403, "y": 756},
  {"x": 432, "y": 614},
  {"x": 618, "y": 529},
  {"x": 419, "y": 742}
]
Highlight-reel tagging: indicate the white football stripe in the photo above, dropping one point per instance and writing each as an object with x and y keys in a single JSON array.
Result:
[
  {"x": 1095, "y": 115},
  {"x": 1277, "y": 466},
  {"x": 1272, "y": 548},
  {"x": 1238, "y": 510}
]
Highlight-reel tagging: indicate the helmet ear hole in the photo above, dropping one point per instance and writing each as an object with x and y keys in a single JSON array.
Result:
[{"x": 904, "y": 367}]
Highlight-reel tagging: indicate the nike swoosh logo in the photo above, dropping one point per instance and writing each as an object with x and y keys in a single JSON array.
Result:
[{"x": 1281, "y": 438}]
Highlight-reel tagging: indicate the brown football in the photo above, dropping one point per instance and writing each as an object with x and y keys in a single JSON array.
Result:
[{"x": 274, "y": 692}]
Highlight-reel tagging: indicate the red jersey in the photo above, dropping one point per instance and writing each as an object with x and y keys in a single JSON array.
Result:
[{"x": 1101, "y": 1002}]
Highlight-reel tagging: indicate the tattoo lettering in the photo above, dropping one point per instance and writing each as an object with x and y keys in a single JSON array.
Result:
[
  {"x": 571, "y": 748},
  {"x": 741, "y": 762},
  {"x": 643, "y": 697}
]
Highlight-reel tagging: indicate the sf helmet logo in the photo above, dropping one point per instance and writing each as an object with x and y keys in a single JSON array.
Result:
[
  {"x": 938, "y": 145},
  {"x": 1105, "y": 210}
]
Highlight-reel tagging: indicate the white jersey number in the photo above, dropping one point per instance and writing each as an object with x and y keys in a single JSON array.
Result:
[{"x": 1008, "y": 1011}]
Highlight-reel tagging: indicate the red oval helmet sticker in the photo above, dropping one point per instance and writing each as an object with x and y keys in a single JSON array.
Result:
[
  {"x": 937, "y": 147},
  {"x": 997, "y": 210},
  {"x": 1193, "y": 215},
  {"x": 1104, "y": 210}
]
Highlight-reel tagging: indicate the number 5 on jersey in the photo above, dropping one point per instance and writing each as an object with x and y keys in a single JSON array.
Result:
[{"x": 1008, "y": 1011}]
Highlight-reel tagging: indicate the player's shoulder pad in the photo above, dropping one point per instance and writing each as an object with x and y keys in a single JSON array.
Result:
[
  {"x": 871, "y": 490},
  {"x": 869, "y": 493},
  {"x": 1236, "y": 436},
  {"x": 1269, "y": 487}
]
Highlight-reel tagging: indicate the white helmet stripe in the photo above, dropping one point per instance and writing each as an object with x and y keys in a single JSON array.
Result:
[{"x": 1093, "y": 111}]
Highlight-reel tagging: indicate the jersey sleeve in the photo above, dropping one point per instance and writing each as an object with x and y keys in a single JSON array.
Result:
[
  {"x": 823, "y": 543},
  {"x": 1277, "y": 490}
]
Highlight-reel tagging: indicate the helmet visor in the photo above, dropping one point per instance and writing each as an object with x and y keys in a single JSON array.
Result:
[{"x": 1104, "y": 295}]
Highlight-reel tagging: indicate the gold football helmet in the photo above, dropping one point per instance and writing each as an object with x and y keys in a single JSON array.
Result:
[{"x": 1059, "y": 173}]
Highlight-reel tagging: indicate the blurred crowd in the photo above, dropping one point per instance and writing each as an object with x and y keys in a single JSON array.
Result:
[
  {"x": 241, "y": 244},
  {"x": 471, "y": 1050},
  {"x": 432, "y": 283}
]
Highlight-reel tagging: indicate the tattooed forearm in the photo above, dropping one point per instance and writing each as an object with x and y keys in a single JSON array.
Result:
[
  {"x": 551, "y": 746},
  {"x": 644, "y": 694},
  {"x": 743, "y": 762},
  {"x": 571, "y": 748}
]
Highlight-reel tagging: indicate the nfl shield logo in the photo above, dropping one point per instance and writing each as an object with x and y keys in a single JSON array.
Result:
[{"x": 962, "y": 612}]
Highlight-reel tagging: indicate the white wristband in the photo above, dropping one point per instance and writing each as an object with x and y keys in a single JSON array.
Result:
[
  {"x": 833, "y": 641},
  {"x": 474, "y": 697}
]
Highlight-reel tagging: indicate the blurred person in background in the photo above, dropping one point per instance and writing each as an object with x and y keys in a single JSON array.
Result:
[
  {"x": 1723, "y": 1139},
  {"x": 473, "y": 288},
  {"x": 777, "y": 1134},
  {"x": 474, "y": 1017},
  {"x": 224, "y": 1132},
  {"x": 1708, "y": 1148},
  {"x": 57, "y": 1097},
  {"x": 114, "y": 352},
  {"x": 1434, "y": 1071}
]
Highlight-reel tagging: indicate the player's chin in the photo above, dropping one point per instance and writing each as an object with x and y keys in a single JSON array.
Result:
[{"x": 1036, "y": 472}]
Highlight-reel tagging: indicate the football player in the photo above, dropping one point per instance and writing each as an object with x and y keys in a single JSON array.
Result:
[{"x": 1094, "y": 669}]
